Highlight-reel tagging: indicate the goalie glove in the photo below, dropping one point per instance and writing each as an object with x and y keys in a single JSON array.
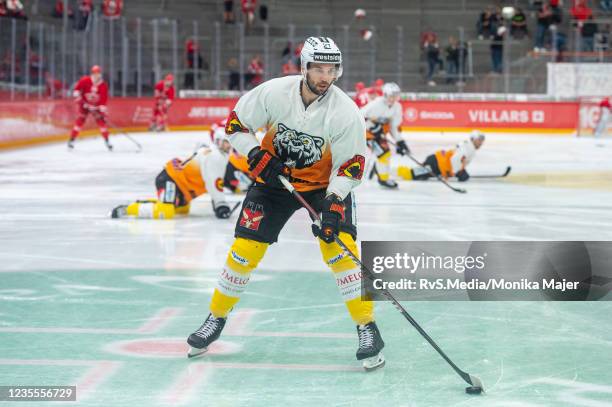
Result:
[
  {"x": 264, "y": 165},
  {"x": 332, "y": 215}
]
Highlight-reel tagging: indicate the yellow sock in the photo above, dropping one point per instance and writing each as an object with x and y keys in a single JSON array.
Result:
[
  {"x": 404, "y": 172},
  {"x": 382, "y": 166},
  {"x": 348, "y": 278},
  {"x": 151, "y": 209},
  {"x": 243, "y": 257}
]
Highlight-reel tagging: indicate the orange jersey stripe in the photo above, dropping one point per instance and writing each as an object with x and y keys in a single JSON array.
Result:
[{"x": 188, "y": 178}]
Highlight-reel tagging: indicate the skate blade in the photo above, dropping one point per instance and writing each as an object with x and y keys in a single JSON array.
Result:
[
  {"x": 373, "y": 363},
  {"x": 195, "y": 352}
]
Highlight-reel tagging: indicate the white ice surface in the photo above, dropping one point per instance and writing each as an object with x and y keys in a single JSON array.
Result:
[{"x": 55, "y": 204}]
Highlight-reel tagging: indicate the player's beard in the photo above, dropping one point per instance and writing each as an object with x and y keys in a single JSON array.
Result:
[{"x": 315, "y": 87}]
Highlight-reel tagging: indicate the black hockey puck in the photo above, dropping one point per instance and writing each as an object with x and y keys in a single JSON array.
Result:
[{"x": 473, "y": 390}]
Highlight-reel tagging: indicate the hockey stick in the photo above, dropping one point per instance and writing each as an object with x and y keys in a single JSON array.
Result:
[
  {"x": 117, "y": 129},
  {"x": 505, "y": 174},
  {"x": 234, "y": 208},
  {"x": 442, "y": 180},
  {"x": 473, "y": 380}
]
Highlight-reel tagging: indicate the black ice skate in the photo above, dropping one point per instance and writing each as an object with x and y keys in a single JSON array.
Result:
[
  {"x": 205, "y": 335},
  {"x": 119, "y": 212},
  {"x": 108, "y": 145},
  {"x": 370, "y": 346},
  {"x": 388, "y": 183},
  {"x": 71, "y": 143}
]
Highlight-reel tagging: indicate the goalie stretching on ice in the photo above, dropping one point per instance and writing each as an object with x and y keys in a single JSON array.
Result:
[
  {"x": 181, "y": 181},
  {"x": 446, "y": 163}
]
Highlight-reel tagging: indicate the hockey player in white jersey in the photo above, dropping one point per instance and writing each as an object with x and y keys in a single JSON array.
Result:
[
  {"x": 384, "y": 116},
  {"x": 316, "y": 139},
  {"x": 181, "y": 181},
  {"x": 447, "y": 163}
]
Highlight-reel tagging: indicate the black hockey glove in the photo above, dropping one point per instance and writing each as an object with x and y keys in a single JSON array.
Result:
[
  {"x": 264, "y": 165},
  {"x": 222, "y": 211},
  {"x": 331, "y": 216},
  {"x": 462, "y": 176},
  {"x": 402, "y": 148}
]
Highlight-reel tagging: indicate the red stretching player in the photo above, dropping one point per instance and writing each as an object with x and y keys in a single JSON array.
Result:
[
  {"x": 164, "y": 96},
  {"x": 91, "y": 95}
]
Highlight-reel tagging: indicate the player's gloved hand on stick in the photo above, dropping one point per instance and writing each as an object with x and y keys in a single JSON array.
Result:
[
  {"x": 462, "y": 176},
  {"x": 331, "y": 216},
  {"x": 264, "y": 165},
  {"x": 402, "y": 148},
  {"x": 222, "y": 211}
]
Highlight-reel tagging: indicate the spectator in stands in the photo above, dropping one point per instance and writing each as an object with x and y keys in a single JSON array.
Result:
[
  {"x": 228, "y": 11},
  {"x": 263, "y": 13},
  {"x": 112, "y": 8},
  {"x": 518, "y": 28},
  {"x": 589, "y": 29},
  {"x": 58, "y": 10},
  {"x": 556, "y": 12},
  {"x": 14, "y": 9},
  {"x": 544, "y": 19},
  {"x": 84, "y": 11},
  {"x": 3, "y": 10},
  {"x": 255, "y": 72},
  {"x": 606, "y": 5},
  {"x": 496, "y": 20},
  {"x": 428, "y": 36},
  {"x": 483, "y": 24},
  {"x": 581, "y": 12},
  {"x": 234, "y": 74},
  {"x": 195, "y": 62},
  {"x": 452, "y": 60},
  {"x": 497, "y": 49},
  {"x": 432, "y": 55},
  {"x": 248, "y": 10},
  {"x": 54, "y": 88}
]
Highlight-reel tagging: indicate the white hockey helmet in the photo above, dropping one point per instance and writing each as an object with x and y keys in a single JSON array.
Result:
[
  {"x": 390, "y": 89},
  {"x": 322, "y": 50},
  {"x": 476, "y": 134}
]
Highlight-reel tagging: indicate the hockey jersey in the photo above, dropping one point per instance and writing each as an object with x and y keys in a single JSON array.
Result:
[
  {"x": 323, "y": 144},
  {"x": 164, "y": 93},
  {"x": 200, "y": 174},
  {"x": 452, "y": 161},
  {"x": 378, "y": 112},
  {"x": 94, "y": 94}
]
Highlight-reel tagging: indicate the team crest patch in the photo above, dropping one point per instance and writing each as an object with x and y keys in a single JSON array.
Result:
[
  {"x": 297, "y": 150},
  {"x": 234, "y": 125},
  {"x": 219, "y": 184},
  {"x": 251, "y": 217},
  {"x": 353, "y": 168}
]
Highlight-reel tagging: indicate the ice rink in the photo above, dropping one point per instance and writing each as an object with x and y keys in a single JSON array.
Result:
[{"x": 106, "y": 304}]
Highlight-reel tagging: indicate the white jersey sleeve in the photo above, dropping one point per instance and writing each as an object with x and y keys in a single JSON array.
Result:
[
  {"x": 348, "y": 148},
  {"x": 464, "y": 153},
  {"x": 212, "y": 167},
  {"x": 250, "y": 114},
  {"x": 396, "y": 121}
]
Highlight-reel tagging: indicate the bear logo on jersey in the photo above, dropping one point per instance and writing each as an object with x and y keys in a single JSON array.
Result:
[{"x": 295, "y": 149}]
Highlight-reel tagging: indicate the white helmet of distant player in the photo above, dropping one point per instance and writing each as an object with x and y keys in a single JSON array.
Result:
[
  {"x": 220, "y": 139},
  {"x": 322, "y": 50},
  {"x": 390, "y": 89},
  {"x": 477, "y": 138}
]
